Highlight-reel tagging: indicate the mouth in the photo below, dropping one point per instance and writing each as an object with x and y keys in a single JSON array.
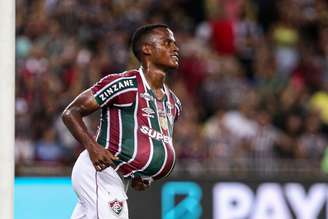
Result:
[{"x": 175, "y": 57}]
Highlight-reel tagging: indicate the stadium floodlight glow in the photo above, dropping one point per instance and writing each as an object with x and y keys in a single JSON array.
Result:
[{"x": 7, "y": 109}]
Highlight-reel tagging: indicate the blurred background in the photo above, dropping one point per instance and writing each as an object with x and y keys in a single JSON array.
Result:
[{"x": 253, "y": 82}]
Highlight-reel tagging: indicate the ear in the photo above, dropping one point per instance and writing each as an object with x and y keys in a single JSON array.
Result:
[{"x": 146, "y": 49}]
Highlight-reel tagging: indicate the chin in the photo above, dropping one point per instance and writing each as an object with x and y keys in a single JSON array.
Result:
[
  {"x": 170, "y": 66},
  {"x": 173, "y": 66}
]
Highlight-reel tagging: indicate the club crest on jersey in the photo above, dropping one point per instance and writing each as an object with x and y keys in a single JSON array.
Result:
[
  {"x": 163, "y": 122},
  {"x": 116, "y": 206},
  {"x": 162, "y": 119}
]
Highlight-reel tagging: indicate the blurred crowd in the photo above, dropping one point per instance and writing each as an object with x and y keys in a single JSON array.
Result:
[{"x": 253, "y": 77}]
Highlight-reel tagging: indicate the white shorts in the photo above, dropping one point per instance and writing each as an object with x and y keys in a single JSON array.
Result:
[{"x": 101, "y": 195}]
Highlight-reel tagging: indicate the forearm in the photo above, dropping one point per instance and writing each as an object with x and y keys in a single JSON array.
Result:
[
  {"x": 72, "y": 118},
  {"x": 83, "y": 105}
]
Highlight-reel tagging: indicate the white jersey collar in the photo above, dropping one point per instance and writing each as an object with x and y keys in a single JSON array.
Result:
[{"x": 145, "y": 82}]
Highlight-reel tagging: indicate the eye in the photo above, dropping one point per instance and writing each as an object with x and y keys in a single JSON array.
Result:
[{"x": 167, "y": 42}]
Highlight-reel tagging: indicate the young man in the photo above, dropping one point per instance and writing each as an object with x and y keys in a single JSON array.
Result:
[{"x": 134, "y": 140}]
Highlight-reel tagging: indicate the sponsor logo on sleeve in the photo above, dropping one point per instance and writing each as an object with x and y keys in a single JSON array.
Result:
[{"x": 115, "y": 88}]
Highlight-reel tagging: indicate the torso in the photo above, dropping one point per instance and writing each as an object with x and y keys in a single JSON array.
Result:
[{"x": 138, "y": 127}]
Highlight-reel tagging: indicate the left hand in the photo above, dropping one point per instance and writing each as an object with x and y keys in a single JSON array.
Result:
[{"x": 138, "y": 184}]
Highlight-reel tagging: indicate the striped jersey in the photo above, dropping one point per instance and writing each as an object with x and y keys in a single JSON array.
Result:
[{"x": 135, "y": 126}]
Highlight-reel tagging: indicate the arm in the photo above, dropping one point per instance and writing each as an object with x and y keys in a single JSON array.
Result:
[{"x": 81, "y": 106}]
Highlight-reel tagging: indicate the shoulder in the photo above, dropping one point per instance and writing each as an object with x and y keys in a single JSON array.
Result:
[
  {"x": 115, "y": 87},
  {"x": 116, "y": 81},
  {"x": 131, "y": 74}
]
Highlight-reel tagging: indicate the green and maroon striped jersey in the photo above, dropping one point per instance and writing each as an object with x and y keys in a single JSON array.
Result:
[{"x": 135, "y": 126}]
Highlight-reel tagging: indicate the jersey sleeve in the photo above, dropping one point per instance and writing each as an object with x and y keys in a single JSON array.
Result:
[{"x": 115, "y": 90}]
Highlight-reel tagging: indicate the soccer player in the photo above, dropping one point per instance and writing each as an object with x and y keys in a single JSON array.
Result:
[{"x": 134, "y": 140}]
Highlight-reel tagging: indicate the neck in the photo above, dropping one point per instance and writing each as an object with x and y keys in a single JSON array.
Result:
[{"x": 154, "y": 76}]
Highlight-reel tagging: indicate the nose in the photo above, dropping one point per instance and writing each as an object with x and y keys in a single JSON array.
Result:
[{"x": 175, "y": 48}]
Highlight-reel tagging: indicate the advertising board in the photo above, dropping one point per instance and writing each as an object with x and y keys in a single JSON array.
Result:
[
  {"x": 187, "y": 198},
  {"x": 230, "y": 199}
]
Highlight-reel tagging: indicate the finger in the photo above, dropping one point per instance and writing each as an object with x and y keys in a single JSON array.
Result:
[
  {"x": 134, "y": 184},
  {"x": 98, "y": 167},
  {"x": 111, "y": 164},
  {"x": 145, "y": 185},
  {"x": 146, "y": 182},
  {"x": 107, "y": 161},
  {"x": 137, "y": 179},
  {"x": 103, "y": 165},
  {"x": 111, "y": 156},
  {"x": 139, "y": 186}
]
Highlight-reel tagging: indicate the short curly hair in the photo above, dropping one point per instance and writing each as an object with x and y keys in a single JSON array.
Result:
[{"x": 139, "y": 36}]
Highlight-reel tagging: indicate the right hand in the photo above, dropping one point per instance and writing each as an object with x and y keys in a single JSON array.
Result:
[
  {"x": 139, "y": 184},
  {"x": 101, "y": 158}
]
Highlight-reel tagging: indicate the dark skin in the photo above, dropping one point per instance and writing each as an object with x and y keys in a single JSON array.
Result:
[{"x": 159, "y": 54}]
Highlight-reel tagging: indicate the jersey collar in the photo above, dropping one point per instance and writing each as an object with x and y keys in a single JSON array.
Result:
[
  {"x": 145, "y": 82},
  {"x": 143, "y": 77}
]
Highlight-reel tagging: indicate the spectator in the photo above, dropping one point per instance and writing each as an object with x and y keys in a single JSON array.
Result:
[
  {"x": 249, "y": 79},
  {"x": 47, "y": 149},
  {"x": 312, "y": 142}
]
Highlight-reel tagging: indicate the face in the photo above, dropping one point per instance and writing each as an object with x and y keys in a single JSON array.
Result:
[{"x": 164, "y": 52}]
